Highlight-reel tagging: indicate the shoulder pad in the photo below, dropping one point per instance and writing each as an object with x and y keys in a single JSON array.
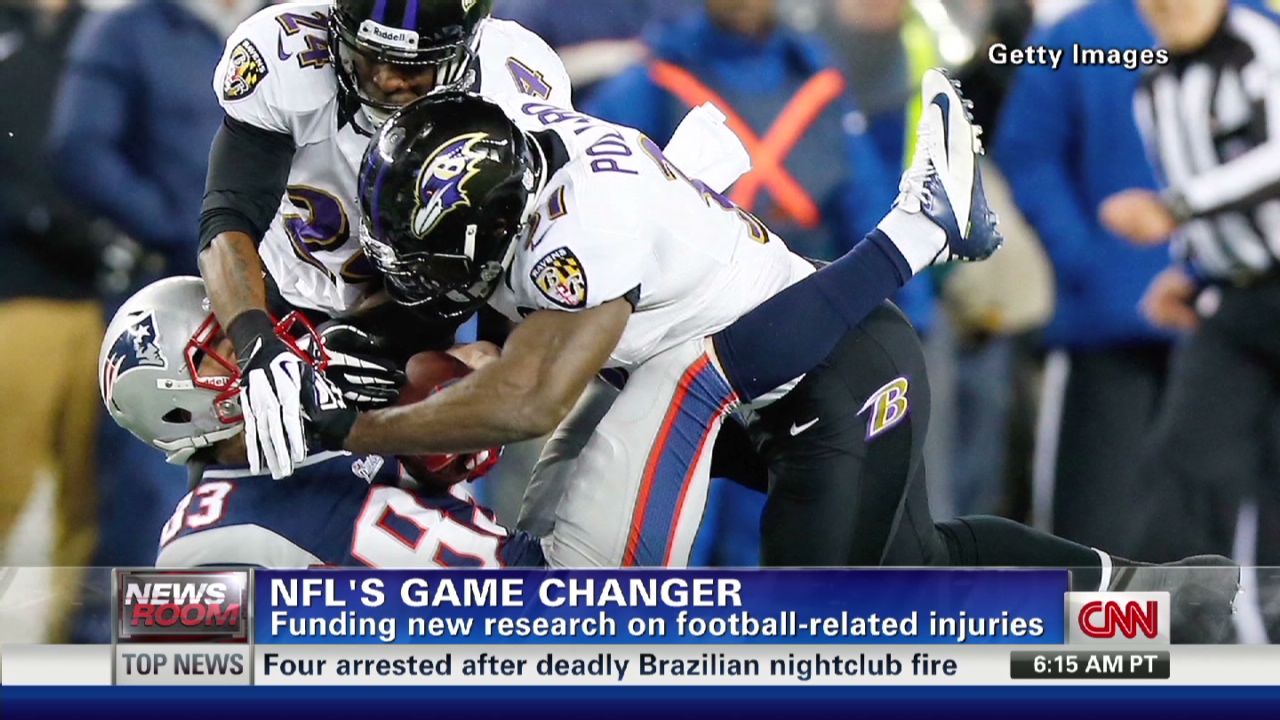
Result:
[
  {"x": 576, "y": 261},
  {"x": 275, "y": 69},
  {"x": 514, "y": 61}
]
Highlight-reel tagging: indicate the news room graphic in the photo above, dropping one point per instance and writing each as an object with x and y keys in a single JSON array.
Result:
[
  {"x": 620, "y": 628},
  {"x": 201, "y": 617}
]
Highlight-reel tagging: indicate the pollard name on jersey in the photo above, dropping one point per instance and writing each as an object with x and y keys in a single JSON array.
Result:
[
  {"x": 276, "y": 74},
  {"x": 618, "y": 219},
  {"x": 336, "y": 509}
]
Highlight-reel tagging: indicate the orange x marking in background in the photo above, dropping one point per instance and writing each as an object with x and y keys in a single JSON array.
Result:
[{"x": 768, "y": 154}]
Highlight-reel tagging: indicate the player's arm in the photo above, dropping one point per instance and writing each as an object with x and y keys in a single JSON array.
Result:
[
  {"x": 232, "y": 272},
  {"x": 543, "y": 369},
  {"x": 248, "y": 171}
]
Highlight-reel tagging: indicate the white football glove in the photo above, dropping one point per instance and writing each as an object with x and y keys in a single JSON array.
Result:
[{"x": 270, "y": 385}]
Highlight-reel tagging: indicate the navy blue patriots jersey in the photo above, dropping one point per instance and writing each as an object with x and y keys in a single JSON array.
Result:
[{"x": 336, "y": 509}]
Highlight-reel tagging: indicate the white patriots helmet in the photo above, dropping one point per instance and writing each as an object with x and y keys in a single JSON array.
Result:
[
  {"x": 149, "y": 369},
  {"x": 148, "y": 380}
]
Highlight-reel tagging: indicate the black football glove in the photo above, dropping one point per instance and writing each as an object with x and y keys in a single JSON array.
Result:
[
  {"x": 366, "y": 379},
  {"x": 329, "y": 418},
  {"x": 271, "y": 379}
]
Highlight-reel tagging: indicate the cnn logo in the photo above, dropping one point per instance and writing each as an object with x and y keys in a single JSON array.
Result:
[{"x": 1118, "y": 618}]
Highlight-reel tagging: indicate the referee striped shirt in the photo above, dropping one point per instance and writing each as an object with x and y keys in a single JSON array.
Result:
[{"x": 1211, "y": 120}]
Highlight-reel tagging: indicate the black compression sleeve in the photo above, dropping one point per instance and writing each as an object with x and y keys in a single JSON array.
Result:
[
  {"x": 248, "y": 172},
  {"x": 247, "y": 327}
]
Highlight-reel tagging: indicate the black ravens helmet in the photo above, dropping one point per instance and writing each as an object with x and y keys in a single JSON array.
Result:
[
  {"x": 428, "y": 43},
  {"x": 445, "y": 187}
]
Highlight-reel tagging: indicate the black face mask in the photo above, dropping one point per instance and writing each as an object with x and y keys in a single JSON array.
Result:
[{"x": 357, "y": 54}]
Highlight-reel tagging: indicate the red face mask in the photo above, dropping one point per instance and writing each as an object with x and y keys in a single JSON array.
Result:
[{"x": 295, "y": 330}]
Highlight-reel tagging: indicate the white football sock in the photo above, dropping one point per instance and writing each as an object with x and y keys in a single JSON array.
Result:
[
  {"x": 1105, "y": 582},
  {"x": 915, "y": 235}
]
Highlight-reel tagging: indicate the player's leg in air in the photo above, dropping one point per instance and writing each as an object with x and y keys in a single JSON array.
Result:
[{"x": 845, "y": 446}]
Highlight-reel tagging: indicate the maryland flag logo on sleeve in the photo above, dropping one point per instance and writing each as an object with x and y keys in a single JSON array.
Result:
[
  {"x": 245, "y": 71},
  {"x": 559, "y": 276}
]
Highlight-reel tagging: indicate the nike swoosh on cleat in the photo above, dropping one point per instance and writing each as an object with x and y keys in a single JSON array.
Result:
[
  {"x": 797, "y": 429},
  {"x": 944, "y": 104},
  {"x": 280, "y": 48}
]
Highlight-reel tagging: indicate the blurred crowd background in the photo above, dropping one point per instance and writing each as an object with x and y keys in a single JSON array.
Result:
[{"x": 1049, "y": 371}]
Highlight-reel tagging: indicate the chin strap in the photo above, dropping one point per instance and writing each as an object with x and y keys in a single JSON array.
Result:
[
  {"x": 178, "y": 452},
  {"x": 538, "y": 181},
  {"x": 349, "y": 107},
  {"x": 375, "y": 117}
]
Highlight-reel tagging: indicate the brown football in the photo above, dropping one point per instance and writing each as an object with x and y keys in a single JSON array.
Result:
[{"x": 425, "y": 373}]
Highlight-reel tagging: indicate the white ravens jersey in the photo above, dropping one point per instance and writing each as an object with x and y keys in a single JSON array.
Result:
[
  {"x": 276, "y": 74},
  {"x": 619, "y": 219}
]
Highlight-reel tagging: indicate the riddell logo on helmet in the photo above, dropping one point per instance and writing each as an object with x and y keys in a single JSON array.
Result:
[{"x": 380, "y": 34}]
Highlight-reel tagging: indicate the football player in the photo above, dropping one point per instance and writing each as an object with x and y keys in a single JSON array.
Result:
[
  {"x": 608, "y": 256},
  {"x": 169, "y": 375},
  {"x": 304, "y": 85}
]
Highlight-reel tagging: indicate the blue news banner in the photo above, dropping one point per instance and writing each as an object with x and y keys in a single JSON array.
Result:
[
  {"x": 386, "y": 607},
  {"x": 646, "y": 627}
]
